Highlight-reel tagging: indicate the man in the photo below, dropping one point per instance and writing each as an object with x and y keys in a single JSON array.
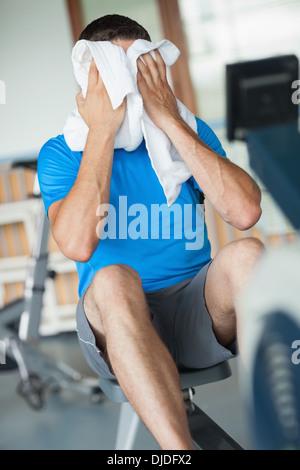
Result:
[{"x": 148, "y": 306}]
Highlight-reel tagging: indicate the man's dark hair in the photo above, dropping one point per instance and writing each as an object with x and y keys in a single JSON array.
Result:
[{"x": 110, "y": 27}]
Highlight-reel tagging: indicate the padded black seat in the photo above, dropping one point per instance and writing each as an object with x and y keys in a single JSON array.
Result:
[{"x": 188, "y": 377}]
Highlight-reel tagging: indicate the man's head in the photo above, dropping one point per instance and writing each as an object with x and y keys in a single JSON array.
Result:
[{"x": 114, "y": 27}]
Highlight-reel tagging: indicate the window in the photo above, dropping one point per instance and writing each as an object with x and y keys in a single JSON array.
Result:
[{"x": 219, "y": 32}]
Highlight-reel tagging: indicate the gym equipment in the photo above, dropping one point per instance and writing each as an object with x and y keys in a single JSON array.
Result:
[
  {"x": 259, "y": 94},
  {"x": 206, "y": 434},
  {"x": 261, "y": 112},
  {"x": 269, "y": 312},
  {"x": 19, "y": 328}
]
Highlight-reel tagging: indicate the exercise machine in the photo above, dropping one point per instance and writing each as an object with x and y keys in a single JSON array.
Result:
[
  {"x": 20, "y": 322},
  {"x": 261, "y": 112},
  {"x": 205, "y": 432}
]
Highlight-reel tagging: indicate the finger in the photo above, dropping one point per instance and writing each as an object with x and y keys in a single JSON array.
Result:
[
  {"x": 151, "y": 64},
  {"x": 79, "y": 99},
  {"x": 162, "y": 69},
  {"x": 141, "y": 83},
  {"x": 145, "y": 73},
  {"x": 93, "y": 75}
]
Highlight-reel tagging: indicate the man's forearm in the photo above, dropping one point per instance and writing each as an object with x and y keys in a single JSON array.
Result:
[
  {"x": 232, "y": 192},
  {"x": 75, "y": 223}
]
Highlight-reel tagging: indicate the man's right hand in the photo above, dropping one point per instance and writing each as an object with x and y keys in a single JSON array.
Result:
[
  {"x": 78, "y": 210},
  {"x": 96, "y": 109}
]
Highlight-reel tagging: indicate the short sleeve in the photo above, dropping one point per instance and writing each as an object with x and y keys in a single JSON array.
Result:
[
  {"x": 209, "y": 137},
  {"x": 57, "y": 170}
]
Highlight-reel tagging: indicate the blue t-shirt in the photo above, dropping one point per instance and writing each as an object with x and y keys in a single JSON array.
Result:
[{"x": 165, "y": 245}]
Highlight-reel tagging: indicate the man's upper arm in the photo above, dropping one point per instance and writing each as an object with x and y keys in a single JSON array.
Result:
[
  {"x": 52, "y": 210},
  {"x": 57, "y": 172}
]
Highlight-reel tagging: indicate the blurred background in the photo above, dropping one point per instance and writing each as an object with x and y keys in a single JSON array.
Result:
[{"x": 36, "y": 40}]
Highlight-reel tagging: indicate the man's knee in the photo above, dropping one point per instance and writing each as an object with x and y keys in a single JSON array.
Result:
[
  {"x": 118, "y": 296},
  {"x": 246, "y": 249},
  {"x": 114, "y": 274},
  {"x": 115, "y": 280},
  {"x": 242, "y": 251},
  {"x": 110, "y": 293},
  {"x": 239, "y": 257}
]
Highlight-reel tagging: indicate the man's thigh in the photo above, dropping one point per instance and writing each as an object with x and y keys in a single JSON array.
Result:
[
  {"x": 112, "y": 289},
  {"x": 227, "y": 275},
  {"x": 181, "y": 318}
]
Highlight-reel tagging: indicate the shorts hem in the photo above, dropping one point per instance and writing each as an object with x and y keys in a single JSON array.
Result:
[{"x": 87, "y": 342}]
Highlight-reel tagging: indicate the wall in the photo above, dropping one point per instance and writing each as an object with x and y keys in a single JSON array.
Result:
[
  {"x": 35, "y": 64},
  {"x": 144, "y": 12},
  {"x": 35, "y": 48},
  {"x": 220, "y": 32}
]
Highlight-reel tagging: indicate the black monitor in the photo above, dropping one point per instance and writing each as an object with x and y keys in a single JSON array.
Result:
[{"x": 259, "y": 93}]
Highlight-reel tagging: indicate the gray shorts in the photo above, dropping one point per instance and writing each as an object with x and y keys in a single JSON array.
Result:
[{"x": 181, "y": 319}]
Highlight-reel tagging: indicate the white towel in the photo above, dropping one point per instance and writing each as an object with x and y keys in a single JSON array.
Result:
[{"x": 118, "y": 70}]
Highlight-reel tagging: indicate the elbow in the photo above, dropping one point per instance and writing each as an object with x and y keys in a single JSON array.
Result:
[
  {"x": 249, "y": 217},
  {"x": 74, "y": 249},
  {"x": 78, "y": 254}
]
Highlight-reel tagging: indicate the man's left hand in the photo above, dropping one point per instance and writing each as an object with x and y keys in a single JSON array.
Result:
[{"x": 159, "y": 100}]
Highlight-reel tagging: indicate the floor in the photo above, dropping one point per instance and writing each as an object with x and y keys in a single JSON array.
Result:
[{"x": 70, "y": 421}]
